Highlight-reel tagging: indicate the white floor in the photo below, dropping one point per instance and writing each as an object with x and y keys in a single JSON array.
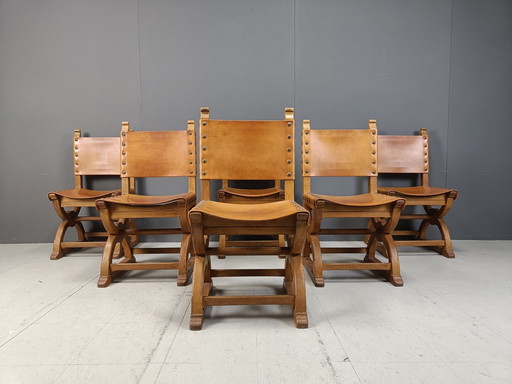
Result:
[{"x": 450, "y": 323}]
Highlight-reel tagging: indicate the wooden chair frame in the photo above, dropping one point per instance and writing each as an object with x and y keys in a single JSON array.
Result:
[
  {"x": 150, "y": 154},
  {"x": 225, "y": 155},
  {"x": 93, "y": 156},
  {"x": 401, "y": 154},
  {"x": 338, "y": 159},
  {"x": 215, "y": 218}
]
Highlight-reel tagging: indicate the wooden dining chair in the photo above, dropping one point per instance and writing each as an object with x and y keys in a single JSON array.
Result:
[
  {"x": 93, "y": 156},
  {"x": 146, "y": 154},
  {"x": 410, "y": 155},
  {"x": 348, "y": 153},
  {"x": 230, "y": 194},
  {"x": 248, "y": 150}
]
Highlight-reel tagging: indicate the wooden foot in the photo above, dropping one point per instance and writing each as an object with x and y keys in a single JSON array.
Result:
[
  {"x": 184, "y": 279},
  {"x": 57, "y": 254},
  {"x": 196, "y": 322},
  {"x": 317, "y": 280},
  {"x": 104, "y": 281},
  {"x": 448, "y": 253},
  {"x": 301, "y": 319},
  {"x": 396, "y": 280},
  {"x": 444, "y": 251}
]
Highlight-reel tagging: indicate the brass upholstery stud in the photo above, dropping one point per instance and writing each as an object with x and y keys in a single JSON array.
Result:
[
  {"x": 307, "y": 162},
  {"x": 306, "y": 171},
  {"x": 189, "y": 143},
  {"x": 289, "y": 124},
  {"x": 203, "y": 136},
  {"x": 124, "y": 162},
  {"x": 204, "y": 172},
  {"x": 307, "y": 152},
  {"x": 124, "y": 172},
  {"x": 76, "y": 146},
  {"x": 124, "y": 144},
  {"x": 289, "y": 161},
  {"x": 124, "y": 133},
  {"x": 190, "y": 162},
  {"x": 124, "y": 153},
  {"x": 203, "y": 148},
  {"x": 191, "y": 172},
  {"x": 306, "y": 132},
  {"x": 76, "y": 138},
  {"x": 289, "y": 136},
  {"x": 289, "y": 174},
  {"x": 289, "y": 149},
  {"x": 204, "y": 123},
  {"x": 307, "y": 143},
  {"x": 190, "y": 153},
  {"x": 204, "y": 160}
]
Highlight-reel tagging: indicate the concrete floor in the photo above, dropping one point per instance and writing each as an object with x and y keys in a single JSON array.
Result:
[{"x": 450, "y": 323}]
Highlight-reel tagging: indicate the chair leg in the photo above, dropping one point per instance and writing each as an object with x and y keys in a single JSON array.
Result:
[
  {"x": 58, "y": 251},
  {"x": 183, "y": 270},
  {"x": 318, "y": 268},
  {"x": 134, "y": 239},
  {"x": 118, "y": 251},
  {"x": 447, "y": 249},
  {"x": 394, "y": 276},
  {"x": 108, "y": 252},
  {"x": 106, "y": 274},
  {"x": 197, "y": 307},
  {"x": 282, "y": 243},
  {"x": 300, "y": 315},
  {"x": 371, "y": 248},
  {"x": 222, "y": 244},
  {"x": 288, "y": 275}
]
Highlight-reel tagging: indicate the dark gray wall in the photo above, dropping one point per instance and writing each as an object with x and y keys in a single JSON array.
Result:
[
  {"x": 442, "y": 64},
  {"x": 479, "y": 135}
]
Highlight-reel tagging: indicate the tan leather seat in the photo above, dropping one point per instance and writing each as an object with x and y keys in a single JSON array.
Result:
[
  {"x": 400, "y": 154},
  {"x": 341, "y": 153},
  {"x": 243, "y": 150},
  {"x": 93, "y": 156},
  {"x": 144, "y": 154}
]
